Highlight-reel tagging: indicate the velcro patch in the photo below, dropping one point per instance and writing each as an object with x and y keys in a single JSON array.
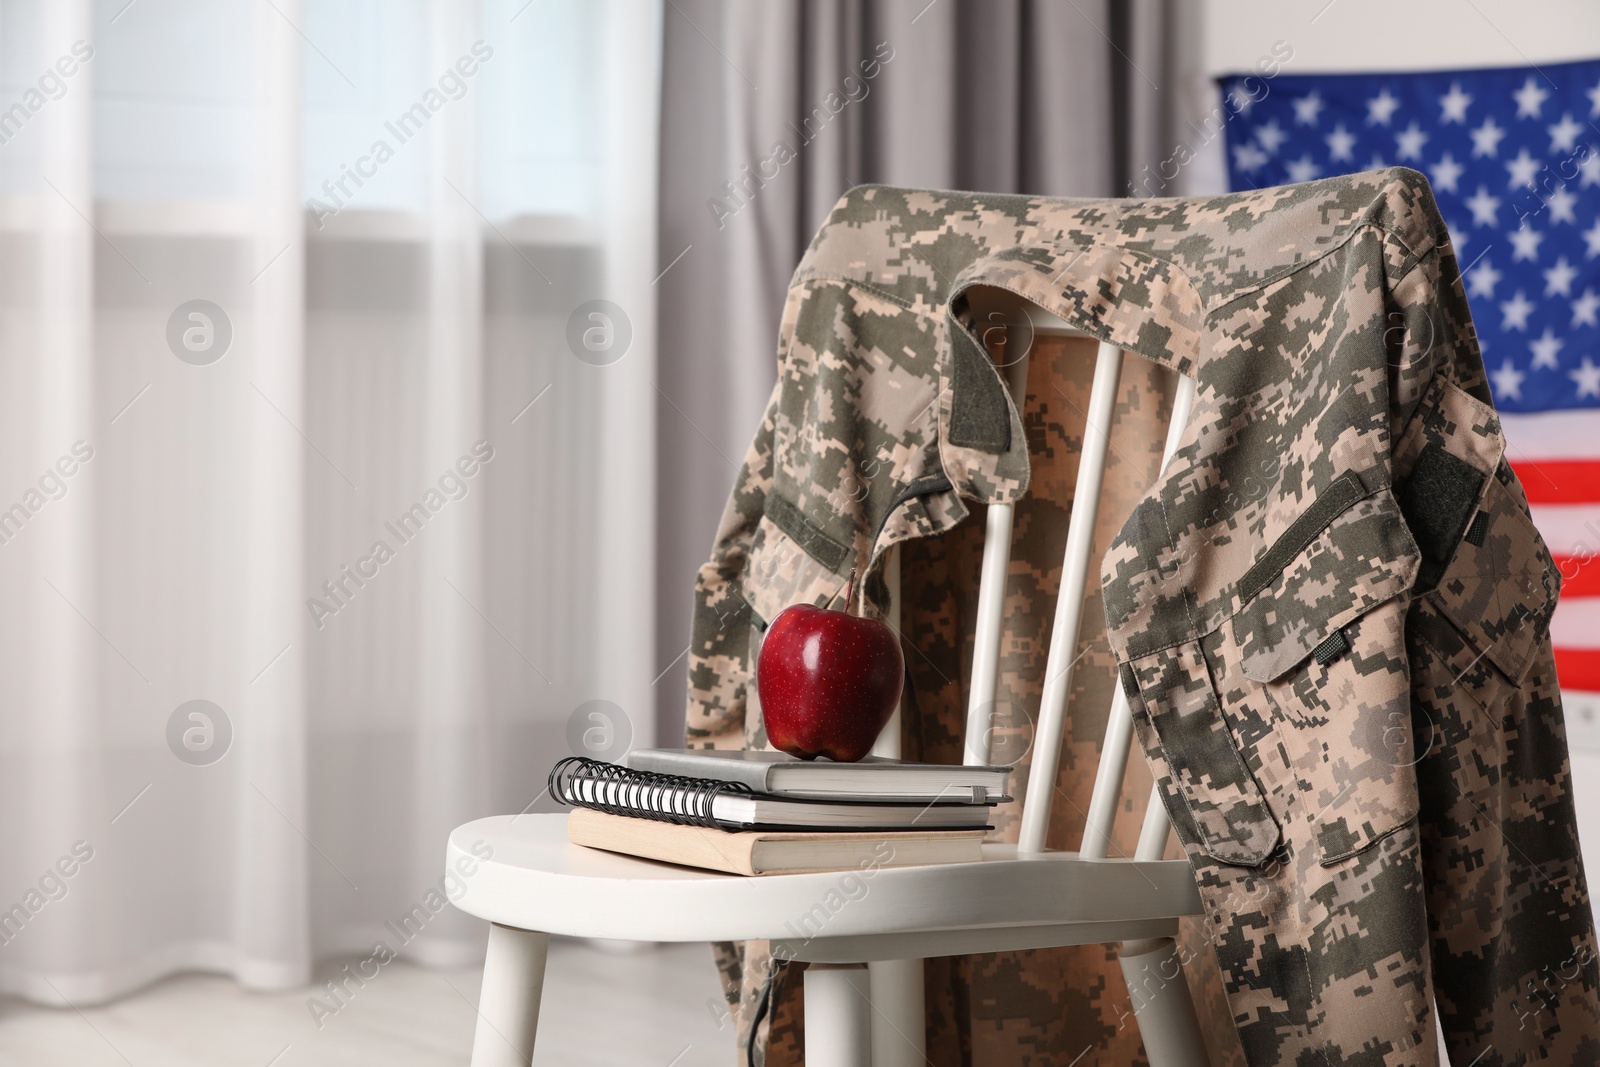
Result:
[
  {"x": 979, "y": 417},
  {"x": 1438, "y": 498},
  {"x": 1334, "y": 646}
]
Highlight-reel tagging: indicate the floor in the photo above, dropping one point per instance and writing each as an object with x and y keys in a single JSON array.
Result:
[{"x": 600, "y": 1007}]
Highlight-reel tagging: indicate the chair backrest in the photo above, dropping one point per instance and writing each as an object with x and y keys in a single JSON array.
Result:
[{"x": 1077, "y": 567}]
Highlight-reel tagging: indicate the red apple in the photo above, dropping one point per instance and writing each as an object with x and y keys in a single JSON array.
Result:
[{"x": 828, "y": 681}]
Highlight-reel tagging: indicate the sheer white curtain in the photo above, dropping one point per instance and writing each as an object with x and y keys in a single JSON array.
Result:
[{"x": 320, "y": 521}]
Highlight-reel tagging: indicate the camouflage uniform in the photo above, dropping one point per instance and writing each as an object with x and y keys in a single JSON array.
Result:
[{"x": 1330, "y": 614}]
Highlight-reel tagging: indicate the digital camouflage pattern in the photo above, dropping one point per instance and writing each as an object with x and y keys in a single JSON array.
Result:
[
  {"x": 1330, "y": 613},
  {"x": 1045, "y": 1006},
  {"x": 1054, "y": 1005}
]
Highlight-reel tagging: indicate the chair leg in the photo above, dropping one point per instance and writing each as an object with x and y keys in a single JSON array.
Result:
[
  {"x": 508, "y": 1007},
  {"x": 1161, "y": 1002},
  {"x": 899, "y": 1037},
  {"x": 838, "y": 1015}
]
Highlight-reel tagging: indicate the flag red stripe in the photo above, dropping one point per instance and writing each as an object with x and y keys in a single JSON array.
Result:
[
  {"x": 1580, "y": 575},
  {"x": 1559, "y": 481},
  {"x": 1579, "y": 668}
]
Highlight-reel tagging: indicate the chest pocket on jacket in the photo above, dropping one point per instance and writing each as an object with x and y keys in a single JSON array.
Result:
[
  {"x": 1178, "y": 714},
  {"x": 1312, "y": 669},
  {"x": 1297, "y": 709}
]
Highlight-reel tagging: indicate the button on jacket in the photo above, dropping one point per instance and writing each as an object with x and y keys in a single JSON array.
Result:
[{"x": 1330, "y": 613}]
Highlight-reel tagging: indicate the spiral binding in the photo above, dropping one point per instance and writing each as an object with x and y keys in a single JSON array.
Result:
[{"x": 578, "y": 781}]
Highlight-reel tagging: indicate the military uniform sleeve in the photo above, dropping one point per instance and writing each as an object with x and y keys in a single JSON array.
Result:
[
  {"x": 719, "y": 649},
  {"x": 1429, "y": 328}
]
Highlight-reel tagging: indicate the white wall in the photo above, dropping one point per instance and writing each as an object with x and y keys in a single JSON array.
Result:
[{"x": 1359, "y": 35}]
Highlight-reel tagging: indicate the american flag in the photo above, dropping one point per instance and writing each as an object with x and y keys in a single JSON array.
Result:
[{"x": 1513, "y": 155}]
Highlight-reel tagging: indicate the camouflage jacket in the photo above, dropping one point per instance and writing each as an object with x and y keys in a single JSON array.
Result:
[{"x": 1330, "y": 613}]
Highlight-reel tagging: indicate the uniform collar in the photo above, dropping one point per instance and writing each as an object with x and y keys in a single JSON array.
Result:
[{"x": 982, "y": 443}]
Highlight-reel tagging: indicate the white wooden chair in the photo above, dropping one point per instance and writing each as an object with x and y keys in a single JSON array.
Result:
[{"x": 863, "y": 988}]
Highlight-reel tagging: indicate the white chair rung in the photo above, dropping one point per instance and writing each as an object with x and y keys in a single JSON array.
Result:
[
  {"x": 1153, "y": 834},
  {"x": 986, "y": 643},
  {"x": 1113, "y": 767},
  {"x": 981, "y": 693},
  {"x": 1108, "y": 780},
  {"x": 1069, "y": 603}
]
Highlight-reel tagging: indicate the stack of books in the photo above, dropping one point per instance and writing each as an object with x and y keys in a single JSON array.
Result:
[{"x": 768, "y": 813}]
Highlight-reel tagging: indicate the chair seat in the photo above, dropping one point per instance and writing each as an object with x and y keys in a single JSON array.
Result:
[{"x": 535, "y": 879}]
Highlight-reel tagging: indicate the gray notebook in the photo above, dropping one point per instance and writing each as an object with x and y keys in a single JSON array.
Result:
[{"x": 873, "y": 778}]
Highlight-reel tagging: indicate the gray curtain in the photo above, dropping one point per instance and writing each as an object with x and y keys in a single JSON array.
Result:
[{"x": 773, "y": 108}]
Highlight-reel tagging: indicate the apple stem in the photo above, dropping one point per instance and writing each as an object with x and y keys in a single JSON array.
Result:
[{"x": 850, "y": 594}]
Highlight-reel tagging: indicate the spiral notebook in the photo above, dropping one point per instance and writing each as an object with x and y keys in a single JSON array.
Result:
[{"x": 581, "y": 782}]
